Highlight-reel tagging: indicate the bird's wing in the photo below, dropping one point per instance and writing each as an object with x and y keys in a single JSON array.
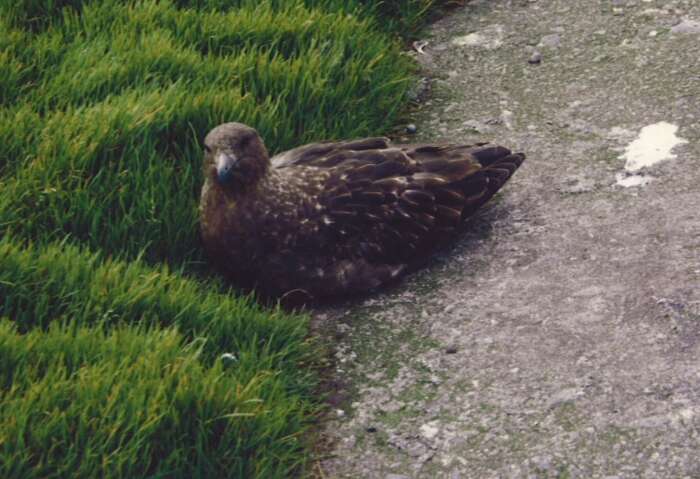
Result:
[
  {"x": 394, "y": 203},
  {"x": 327, "y": 153},
  {"x": 494, "y": 166}
]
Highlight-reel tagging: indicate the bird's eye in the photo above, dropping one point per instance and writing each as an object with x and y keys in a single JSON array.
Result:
[{"x": 207, "y": 148}]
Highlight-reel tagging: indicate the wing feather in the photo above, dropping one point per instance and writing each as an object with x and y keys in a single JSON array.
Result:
[
  {"x": 327, "y": 154},
  {"x": 391, "y": 204}
]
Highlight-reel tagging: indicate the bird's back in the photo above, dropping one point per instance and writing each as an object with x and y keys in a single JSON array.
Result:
[{"x": 377, "y": 209}]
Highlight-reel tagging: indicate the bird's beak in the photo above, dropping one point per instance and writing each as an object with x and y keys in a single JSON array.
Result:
[{"x": 225, "y": 166}]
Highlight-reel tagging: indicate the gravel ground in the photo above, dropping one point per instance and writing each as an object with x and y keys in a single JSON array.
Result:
[{"x": 560, "y": 336}]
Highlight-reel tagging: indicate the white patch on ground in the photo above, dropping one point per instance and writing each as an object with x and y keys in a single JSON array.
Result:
[
  {"x": 429, "y": 430},
  {"x": 489, "y": 38},
  {"x": 655, "y": 143},
  {"x": 507, "y": 117},
  {"x": 627, "y": 181}
]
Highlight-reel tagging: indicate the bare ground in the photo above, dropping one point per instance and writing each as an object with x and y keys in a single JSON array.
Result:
[{"x": 561, "y": 336}]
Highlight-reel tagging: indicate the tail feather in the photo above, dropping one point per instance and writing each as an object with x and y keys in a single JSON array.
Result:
[
  {"x": 489, "y": 154},
  {"x": 472, "y": 173},
  {"x": 485, "y": 183}
]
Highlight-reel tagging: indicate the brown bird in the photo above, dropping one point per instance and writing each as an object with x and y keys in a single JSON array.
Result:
[{"x": 337, "y": 218}]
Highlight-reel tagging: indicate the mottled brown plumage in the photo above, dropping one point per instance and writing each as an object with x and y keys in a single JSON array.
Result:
[{"x": 336, "y": 218}]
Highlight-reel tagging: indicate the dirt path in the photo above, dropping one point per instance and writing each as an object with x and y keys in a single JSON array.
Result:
[{"x": 561, "y": 336}]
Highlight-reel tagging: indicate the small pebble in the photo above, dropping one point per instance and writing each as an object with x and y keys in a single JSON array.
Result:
[
  {"x": 535, "y": 58},
  {"x": 411, "y": 129}
]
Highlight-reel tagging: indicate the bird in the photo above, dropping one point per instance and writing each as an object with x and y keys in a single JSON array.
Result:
[{"x": 337, "y": 218}]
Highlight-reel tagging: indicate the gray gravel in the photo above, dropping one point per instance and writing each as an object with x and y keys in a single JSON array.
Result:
[{"x": 560, "y": 336}]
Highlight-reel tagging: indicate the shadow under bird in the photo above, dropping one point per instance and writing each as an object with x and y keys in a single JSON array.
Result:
[{"x": 337, "y": 218}]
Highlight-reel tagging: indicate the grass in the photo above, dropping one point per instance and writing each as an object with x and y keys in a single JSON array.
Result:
[
  {"x": 112, "y": 331},
  {"x": 113, "y": 368}
]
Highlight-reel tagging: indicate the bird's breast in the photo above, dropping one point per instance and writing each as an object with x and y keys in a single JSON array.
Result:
[{"x": 273, "y": 221}]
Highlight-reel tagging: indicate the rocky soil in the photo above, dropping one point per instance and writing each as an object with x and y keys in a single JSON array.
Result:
[{"x": 560, "y": 337}]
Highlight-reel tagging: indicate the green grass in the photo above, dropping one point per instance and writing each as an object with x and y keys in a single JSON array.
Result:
[
  {"x": 113, "y": 329},
  {"x": 135, "y": 402},
  {"x": 112, "y": 368}
]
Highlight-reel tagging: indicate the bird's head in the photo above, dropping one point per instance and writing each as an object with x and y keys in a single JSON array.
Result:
[{"x": 235, "y": 156}]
